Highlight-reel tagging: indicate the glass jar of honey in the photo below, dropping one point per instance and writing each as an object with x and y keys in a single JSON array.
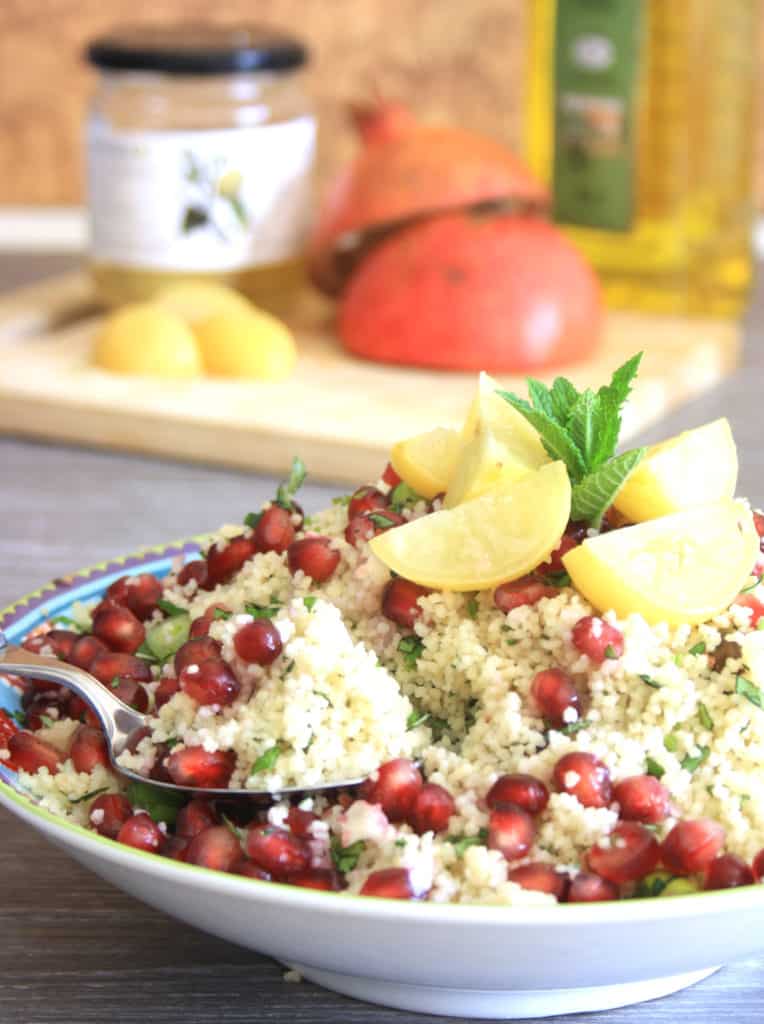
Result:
[{"x": 200, "y": 149}]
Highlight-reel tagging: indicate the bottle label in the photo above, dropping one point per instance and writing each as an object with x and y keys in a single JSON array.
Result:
[
  {"x": 200, "y": 200},
  {"x": 597, "y": 51}
]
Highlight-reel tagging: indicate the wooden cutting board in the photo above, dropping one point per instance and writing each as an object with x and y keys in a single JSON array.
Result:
[{"x": 339, "y": 413}]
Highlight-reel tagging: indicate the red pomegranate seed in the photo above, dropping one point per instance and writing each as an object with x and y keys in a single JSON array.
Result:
[
  {"x": 195, "y": 817},
  {"x": 258, "y": 642},
  {"x": 194, "y": 652},
  {"x": 141, "y": 832},
  {"x": 175, "y": 847},
  {"x": 400, "y": 601},
  {"x": 116, "y": 592},
  {"x": 395, "y": 788},
  {"x": 89, "y": 749},
  {"x": 366, "y": 499},
  {"x": 525, "y": 591},
  {"x": 300, "y": 822},
  {"x": 200, "y": 627},
  {"x": 62, "y": 641},
  {"x": 224, "y": 563},
  {"x": 131, "y": 693},
  {"x": 691, "y": 846},
  {"x": 249, "y": 869},
  {"x": 597, "y": 639},
  {"x": 275, "y": 530},
  {"x": 728, "y": 872},
  {"x": 159, "y": 772},
  {"x": 43, "y": 689},
  {"x": 216, "y": 847},
  {"x": 585, "y": 777},
  {"x": 370, "y": 524},
  {"x": 524, "y": 791},
  {"x": 51, "y": 707},
  {"x": 119, "y": 629},
  {"x": 556, "y": 697},
  {"x": 200, "y": 768},
  {"x": 77, "y": 708},
  {"x": 108, "y": 813},
  {"x": 143, "y": 593},
  {"x": 511, "y": 832},
  {"x": 107, "y": 667},
  {"x": 34, "y": 643},
  {"x": 194, "y": 570},
  {"x": 389, "y": 884},
  {"x": 85, "y": 650},
  {"x": 758, "y": 522},
  {"x": 390, "y": 477},
  {"x": 630, "y": 852},
  {"x": 573, "y": 536},
  {"x": 588, "y": 888},
  {"x": 758, "y": 866},
  {"x": 8, "y": 728},
  {"x": 432, "y": 808},
  {"x": 314, "y": 556},
  {"x": 756, "y": 606},
  {"x": 168, "y": 687},
  {"x": 642, "y": 798},
  {"x": 211, "y": 682},
  {"x": 541, "y": 878},
  {"x": 324, "y": 879},
  {"x": 277, "y": 851},
  {"x": 30, "y": 753}
]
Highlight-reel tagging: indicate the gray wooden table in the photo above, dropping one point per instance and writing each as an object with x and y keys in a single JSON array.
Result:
[{"x": 73, "y": 948}]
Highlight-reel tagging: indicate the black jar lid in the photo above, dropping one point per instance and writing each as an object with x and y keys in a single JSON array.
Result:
[{"x": 196, "y": 49}]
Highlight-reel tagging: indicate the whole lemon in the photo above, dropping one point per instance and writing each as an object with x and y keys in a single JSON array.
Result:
[
  {"x": 143, "y": 338},
  {"x": 252, "y": 344},
  {"x": 199, "y": 300}
]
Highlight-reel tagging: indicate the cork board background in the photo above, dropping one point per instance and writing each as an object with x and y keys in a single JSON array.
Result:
[{"x": 457, "y": 60}]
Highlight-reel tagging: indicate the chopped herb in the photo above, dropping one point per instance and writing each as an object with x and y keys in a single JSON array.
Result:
[
  {"x": 114, "y": 684},
  {"x": 651, "y": 682},
  {"x": 286, "y": 491},
  {"x": 161, "y": 804},
  {"x": 221, "y": 613},
  {"x": 345, "y": 858},
  {"x": 400, "y": 843},
  {"x": 698, "y": 648},
  {"x": 462, "y": 843},
  {"x": 145, "y": 652},
  {"x": 89, "y": 796},
  {"x": 652, "y": 767},
  {"x": 410, "y": 647},
  {"x": 691, "y": 763},
  {"x": 251, "y": 519},
  {"x": 171, "y": 741},
  {"x": 402, "y": 495},
  {"x": 309, "y": 744},
  {"x": 705, "y": 717},
  {"x": 678, "y": 659},
  {"x": 671, "y": 743},
  {"x": 653, "y": 884},
  {"x": 744, "y": 797},
  {"x": 19, "y": 718},
  {"x": 309, "y": 602},
  {"x": 511, "y": 641},
  {"x": 262, "y": 611},
  {"x": 610, "y": 652},
  {"x": 473, "y": 607},
  {"x": 266, "y": 761},
  {"x": 557, "y": 579},
  {"x": 747, "y": 689},
  {"x": 320, "y": 693},
  {"x": 571, "y": 728},
  {"x": 416, "y": 718},
  {"x": 381, "y": 520},
  {"x": 65, "y": 620},
  {"x": 169, "y": 608},
  {"x": 288, "y": 669},
  {"x": 47, "y": 721},
  {"x": 752, "y": 586},
  {"x": 342, "y": 499}
]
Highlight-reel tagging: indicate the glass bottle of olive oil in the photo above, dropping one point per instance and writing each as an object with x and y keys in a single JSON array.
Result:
[{"x": 640, "y": 118}]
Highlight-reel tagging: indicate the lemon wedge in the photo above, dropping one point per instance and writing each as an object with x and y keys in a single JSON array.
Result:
[
  {"x": 489, "y": 411},
  {"x": 143, "y": 338},
  {"x": 479, "y": 544},
  {"x": 425, "y": 462},
  {"x": 249, "y": 344},
  {"x": 483, "y": 464},
  {"x": 686, "y": 567},
  {"x": 694, "y": 468}
]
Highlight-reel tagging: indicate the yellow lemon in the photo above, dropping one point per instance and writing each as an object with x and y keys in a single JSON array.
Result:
[
  {"x": 483, "y": 463},
  {"x": 498, "y": 537},
  {"x": 199, "y": 300},
  {"x": 425, "y": 462},
  {"x": 143, "y": 338},
  {"x": 693, "y": 468},
  {"x": 251, "y": 344},
  {"x": 490, "y": 411},
  {"x": 685, "y": 567}
]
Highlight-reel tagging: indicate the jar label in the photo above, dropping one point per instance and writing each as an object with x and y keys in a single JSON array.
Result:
[{"x": 200, "y": 200}]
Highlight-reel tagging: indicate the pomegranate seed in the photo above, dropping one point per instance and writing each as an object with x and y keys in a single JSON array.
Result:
[
  {"x": 277, "y": 851},
  {"x": 511, "y": 832},
  {"x": 201, "y": 627},
  {"x": 216, "y": 848},
  {"x": 757, "y": 608},
  {"x": 396, "y": 787},
  {"x": 525, "y": 591},
  {"x": 108, "y": 813},
  {"x": 89, "y": 749},
  {"x": 728, "y": 872},
  {"x": 194, "y": 652},
  {"x": 400, "y": 601},
  {"x": 143, "y": 593},
  {"x": 175, "y": 847},
  {"x": 116, "y": 592},
  {"x": 43, "y": 689},
  {"x": 585, "y": 777},
  {"x": 556, "y": 696},
  {"x": 758, "y": 866},
  {"x": 8, "y": 728},
  {"x": 390, "y": 477},
  {"x": 691, "y": 846},
  {"x": 200, "y": 768},
  {"x": 630, "y": 852},
  {"x": 135, "y": 738},
  {"x": 168, "y": 687},
  {"x": 314, "y": 556},
  {"x": 195, "y": 817},
  {"x": 258, "y": 642},
  {"x": 524, "y": 791},
  {"x": 52, "y": 707},
  {"x": 300, "y": 822},
  {"x": 120, "y": 629},
  {"x": 588, "y": 888},
  {"x": 325, "y": 879},
  {"x": 35, "y": 643},
  {"x": 275, "y": 530},
  {"x": 85, "y": 650},
  {"x": 366, "y": 499},
  {"x": 77, "y": 708},
  {"x": 573, "y": 536},
  {"x": 370, "y": 524},
  {"x": 159, "y": 772},
  {"x": 62, "y": 641},
  {"x": 249, "y": 869},
  {"x": 195, "y": 570},
  {"x": 141, "y": 832},
  {"x": 642, "y": 798},
  {"x": 211, "y": 682},
  {"x": 223, "y": 564},
  {"x": 131, "y": 693},
  {"x": 107, "y": 667},
  {"x": 30, "y": 753},
  {"x": 389, "y": 884},
  {"x": 541, "y": 878},
  {"x": 432, "y": 808},
  {"x": 758, "y": 522},
  {"x": 597, "y": 639}
]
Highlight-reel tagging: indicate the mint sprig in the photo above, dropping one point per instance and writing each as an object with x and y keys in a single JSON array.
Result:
[{"x": 581, "y": 428}]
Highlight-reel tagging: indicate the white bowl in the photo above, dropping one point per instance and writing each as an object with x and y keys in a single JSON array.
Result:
[{"x": 473, "y": 961}]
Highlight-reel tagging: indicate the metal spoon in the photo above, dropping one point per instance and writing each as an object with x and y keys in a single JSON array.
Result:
[{"x": 120, "y": 722}]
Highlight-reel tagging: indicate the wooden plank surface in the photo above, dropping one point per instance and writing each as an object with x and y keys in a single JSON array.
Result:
[{"x": 341, "y": 414}]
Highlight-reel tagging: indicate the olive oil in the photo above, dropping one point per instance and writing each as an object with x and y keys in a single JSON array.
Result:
[{"x": 640, "y": 119}]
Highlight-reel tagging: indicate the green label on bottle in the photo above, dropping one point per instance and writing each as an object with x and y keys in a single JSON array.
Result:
[{"x": 597, "y": 52}]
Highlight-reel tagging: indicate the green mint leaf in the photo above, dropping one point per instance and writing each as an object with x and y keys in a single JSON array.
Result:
[
  {"x": 606, "y": 426},
  {"x": 402, "y": 496},
  {"x": 463, "y": 843},
  {"x": 309, "y": 602},
  {"x": 651, "y": 682},
  {"x": 557, "y": 579},
  {"x": 563, "y": 397},
  {"x": 160, "y": 804},
  {"x": 89, "y": 796},
  {"x": 654, "y": 768},
  {"x": 473, "y": 607},
  {"x": 652, "y": 885},
  {"x": 691, "y": 763},
  {"x": 698, "y": 648},
  {"x": 381, "y": 520},
  {"x": 747, "y": 689},
  {"x": 266, "y": 761},
  {"x": 705, "y": 716},
  {"x": 320, "y": 693},
  {"x": 556, "y": 440},
  {"x": 169, "y": 608},
  {"x": 671, "y": 743},
  {"x": 221, "y": 613},
  {"x": 416, "y": 718},
  {"x": 286, "y": 491},
  {"x": 261, "y": 611},
  {"x": 251, "y": 519},
  {"x": 619, "y": 387},
  {"x": 541, "y": 399},
  {"x": 610, "y": 653},
  {"x": 573, "y": 727},
  {"x": 595, "y": 493},
  {"x": 410, "y": 647},
  {"x": 345, "y": 858},
  {"x": 581, "y": 426},
  {"x": 65, "y": 620}
]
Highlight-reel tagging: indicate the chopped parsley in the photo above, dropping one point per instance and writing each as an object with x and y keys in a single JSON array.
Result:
[
  {"x": 320, "y": 693},
  {"x": 416, "y": 718},
  {"x": 160, "y": 804},
  {"x": 262, "y": 611},
  {"x": 698, "y": 648},
  {"x": 752, "y": 586},
  {"x": 473, "y": 608},
  {"x": 251, "y": 519},
  {"x": 653, "y": 884},
  {"x": 462, "y": 843},
  {"x": 654, "y": 768},
  {"x": 89, "y": 796},
  {"x": 746, "y": 689},
  {"x": 410, "y": 647},
  {"x": 690, "y": 763},
  {"x": 169, "y": 608},
  {"x": 651, "y": 682},
  {"x": 400, "y": 843},
  {"x": 286, "y": 491},
  {"x": 402, "y": 496},
  {"x": 65, "y": 620},
  {"x": 345, "y": 858},
  {"x": 47, "y": 721},
  {"x": 309, "y": 602},
  {"x": 266, "y": 761},
  {"x": 611, "y": 653},
  {"x": 221, "y": 613},
  {"x": 381, "y": 521},
  {"x": 671, "y": 743},
  {"x": 705, "y": 716},
  {"x": 571, "y": 728},
  {"x": 557, "y": 579}
]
